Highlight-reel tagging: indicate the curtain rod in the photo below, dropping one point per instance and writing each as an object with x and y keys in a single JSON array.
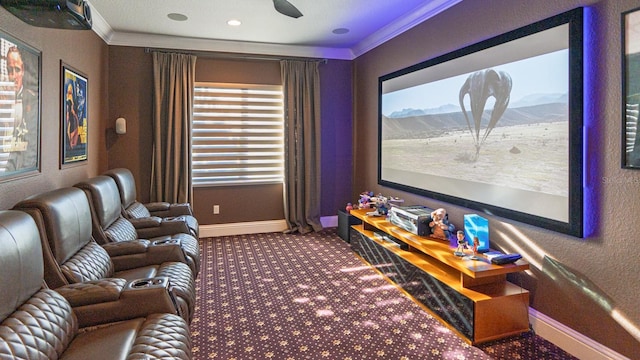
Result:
[{"x": 238, "y": 56}]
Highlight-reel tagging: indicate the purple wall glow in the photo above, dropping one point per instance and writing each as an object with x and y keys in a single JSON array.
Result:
[{"x": 337, "y": 119}]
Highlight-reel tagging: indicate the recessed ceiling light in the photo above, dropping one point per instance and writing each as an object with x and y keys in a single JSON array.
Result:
[
  {"x": 234, "y": 22},
  {"x": 177, "y": 17},
  {"x": 340, "y": 31}
]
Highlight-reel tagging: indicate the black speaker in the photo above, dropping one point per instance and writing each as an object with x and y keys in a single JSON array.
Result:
[{"x": 57, "y": 14}]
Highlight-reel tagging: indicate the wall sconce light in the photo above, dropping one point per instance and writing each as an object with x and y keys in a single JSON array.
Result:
[{"x": 121, "y": 126}]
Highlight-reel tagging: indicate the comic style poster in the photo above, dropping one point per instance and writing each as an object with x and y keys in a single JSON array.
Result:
[{"x": 74, "y": 116}]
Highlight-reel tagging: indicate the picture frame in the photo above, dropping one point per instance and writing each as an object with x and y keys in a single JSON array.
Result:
[
  {"x": 496, "y": 126},
  {"x": 73, "y": 116},
  {"x": 630, "y": 136},
  {"x": 20, "y": 108}
]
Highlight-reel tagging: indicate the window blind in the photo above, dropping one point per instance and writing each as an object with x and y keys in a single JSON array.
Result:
[
  {"x": 237, "y": 134},
  {"x": 7, "y": 116}
]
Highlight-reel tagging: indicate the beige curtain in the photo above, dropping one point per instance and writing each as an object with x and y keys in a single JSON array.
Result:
[
  {"x": 173, "y": 78},
  {"x": 301, "y": 85}
]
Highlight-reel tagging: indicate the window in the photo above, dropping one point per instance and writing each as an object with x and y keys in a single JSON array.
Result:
[{"x": 237, "y": 135}]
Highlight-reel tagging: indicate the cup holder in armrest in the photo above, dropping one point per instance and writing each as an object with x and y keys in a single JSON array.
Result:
[
  {"x": 154, "y": 282},
  {"x": 154, "y": 292},
  {"x": 166, "y": 242}
]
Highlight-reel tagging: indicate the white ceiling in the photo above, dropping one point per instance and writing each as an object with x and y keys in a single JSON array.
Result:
[{"x": 264, "y": 31}]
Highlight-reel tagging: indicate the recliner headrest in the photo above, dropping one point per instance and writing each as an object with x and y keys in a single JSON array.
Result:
[
  {"x": 21, "y": 263},
  {"x": 105, "y": 198},
  {"x": 66, "y": 216},
  {"x": 126, "y": 184}
]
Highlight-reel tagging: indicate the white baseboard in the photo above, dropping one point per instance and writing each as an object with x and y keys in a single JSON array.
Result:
[
  {"x": 255, "y": 227},
  {"x": 570, "y": 340}
]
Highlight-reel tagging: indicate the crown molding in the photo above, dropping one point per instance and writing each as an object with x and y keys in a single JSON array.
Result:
[
  {"x": 241, "y": 47},
  {"x": 99, "y": 25},
  {"x": 423, "y": 13}
]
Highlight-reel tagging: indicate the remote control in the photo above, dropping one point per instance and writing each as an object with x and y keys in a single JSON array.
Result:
[{"x": 505, "y": 259}]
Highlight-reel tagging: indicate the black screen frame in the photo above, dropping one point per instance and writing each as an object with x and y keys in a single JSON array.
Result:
[{"x": 574, "y": 224}]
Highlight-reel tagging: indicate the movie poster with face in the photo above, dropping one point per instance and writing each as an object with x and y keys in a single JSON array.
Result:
[
  {"x": 74, "y": 116},
  {"x": 19, "y": 108}
]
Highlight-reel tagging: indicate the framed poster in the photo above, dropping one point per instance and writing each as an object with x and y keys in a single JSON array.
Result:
[
  {"x": 495, "y": 126},
  {"x": 73, "y": 119},
  {"x": 630, "y": 89},
  {"x": 20, "y": 69}
]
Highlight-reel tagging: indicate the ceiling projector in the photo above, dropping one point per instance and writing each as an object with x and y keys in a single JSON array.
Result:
[{"x": 56, "y": 14}]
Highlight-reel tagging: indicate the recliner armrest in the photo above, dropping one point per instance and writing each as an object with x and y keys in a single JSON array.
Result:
[
  {"x": 146, "y": 222},
  {"x": 170, "y": 210},
  {"x": 98, "y": 302},
  {"x": 166, "y": 227},
  {"x": 92, "y": 292},
  {"x": 122, "y": 248},
  {"x": 154, "y": 253},
  {"x": 157, "y": 206}
]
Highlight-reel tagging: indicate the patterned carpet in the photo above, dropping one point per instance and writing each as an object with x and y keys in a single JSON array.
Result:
[{"x": 277, "y": 296}]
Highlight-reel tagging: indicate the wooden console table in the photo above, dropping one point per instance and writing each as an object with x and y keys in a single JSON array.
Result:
[{"x": 473, "y": 297}]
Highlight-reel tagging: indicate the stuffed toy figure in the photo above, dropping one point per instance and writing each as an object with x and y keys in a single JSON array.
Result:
[{"x": 439, "y": 224}]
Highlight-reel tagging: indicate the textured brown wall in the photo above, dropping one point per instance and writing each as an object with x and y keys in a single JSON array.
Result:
[
  {"x": 131, "y": 96},
  {"x": 606, "y": 259},
  {"x": 130, "y": 92},
  {"x": 86, "y": 52},
  {"x": 336, "y": 93}
]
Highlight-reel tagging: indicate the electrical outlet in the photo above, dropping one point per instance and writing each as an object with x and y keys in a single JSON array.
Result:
[{"x": 216, "y": 209}]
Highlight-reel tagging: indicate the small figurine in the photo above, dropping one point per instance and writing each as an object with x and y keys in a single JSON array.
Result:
[
  {"x": 382, "y": 209},
  {"x": 378, "y": 202},
  {"x": 440, "y": 227},
  {"x": 349, "y": 208},
  {"x": 365, "y": 200},
  {"x": 395, "y": 201},
  {"x": 462, "y": 244},
  {"x": 476, "y": 243}
]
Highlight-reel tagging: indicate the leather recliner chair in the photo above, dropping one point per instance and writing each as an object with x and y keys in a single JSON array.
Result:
[
  {"x": 133, "y": 209},
  {"x": 38, "y": 323},
  {"x": 109, "y": 225},
  {"x": 71, "y": 256}
]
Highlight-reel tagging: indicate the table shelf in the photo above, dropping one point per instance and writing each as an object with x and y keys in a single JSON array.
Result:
[{"x": 472, "y": 297}]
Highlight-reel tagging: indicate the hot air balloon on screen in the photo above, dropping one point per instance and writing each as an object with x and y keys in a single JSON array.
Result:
[{"x": 480, "y": 86}]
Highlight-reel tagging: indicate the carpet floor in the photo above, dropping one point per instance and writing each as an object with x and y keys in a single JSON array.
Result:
[{"x": 291, "y": 296}]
